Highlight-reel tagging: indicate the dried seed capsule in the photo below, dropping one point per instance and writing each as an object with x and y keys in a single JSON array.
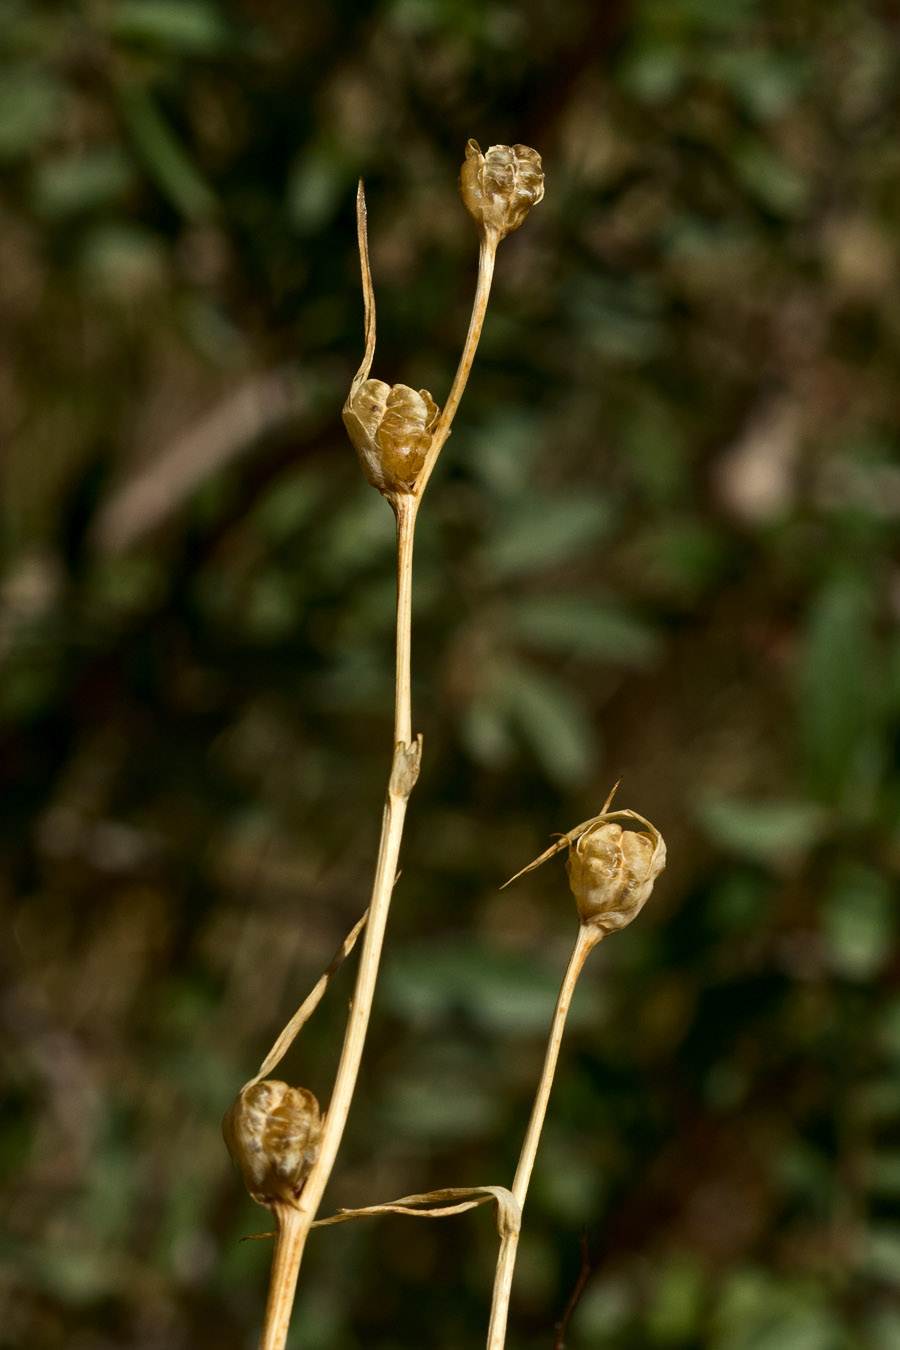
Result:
[
  {"x": 612, "y": 871},
  {"x": 500, "y": 188},
  {"x": 391, "y": 430},
  {"x": 272, "y": 1132}
]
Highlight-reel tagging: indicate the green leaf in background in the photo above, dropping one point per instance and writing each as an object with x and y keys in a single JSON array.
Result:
[
  {"x": 620, "y": 319},
  {"x": 501, "y": 451},
  {"x": 677, "y": 1303},
  {"x": 121, "y": 261},
  {"x": 765, "y": 82},
  {"x": 188, "y": 27},
  {"x": 882, "y": 1174},
  {"x": 775, "y": 185},
  {"x": 554, "y": 722},
  {"x": 535, "y": 534},
  {"x": 504, "y": 993},
  {"x": 837, "y": 677},
  {"x": 777, "y": 833},
  {"x": 31, "y": 102},
  {"x": 101, "y": 176},
  {"x": 165, "y": 158},
  {"x": 859, "y": 922},
  {"x": 881, "y": 1260},
  {"x": 574, "y": 625},
  {"x": 889, "y": 1030},
  {"x": 883, "y": 1329},
  {"x": 757, "y": 1311},
  {"x": 316, "y": 185}
]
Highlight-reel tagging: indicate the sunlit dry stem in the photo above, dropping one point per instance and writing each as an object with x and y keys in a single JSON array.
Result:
[
  {"x": 293, "y": 1224},
  {"x": 487, "y": 256},
  {"x": 506, "y": 1257}
]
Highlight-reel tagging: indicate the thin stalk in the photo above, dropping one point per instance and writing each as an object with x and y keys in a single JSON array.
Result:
[
  {"x": 293, "y": 1224},
  {"x": 487, "y": 256},
  {"x": 506, "y": 1257}
]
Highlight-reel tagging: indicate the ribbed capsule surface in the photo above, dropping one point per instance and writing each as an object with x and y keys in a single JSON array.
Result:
[
  {"x": 391, "y": 427},
  {"x": 612, "y": 871},
  {"x": 272, "y": 1131},
  {"x": 500, "y": 187}
]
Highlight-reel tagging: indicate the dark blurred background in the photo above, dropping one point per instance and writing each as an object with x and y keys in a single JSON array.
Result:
[{"x": 660, "y": 545}]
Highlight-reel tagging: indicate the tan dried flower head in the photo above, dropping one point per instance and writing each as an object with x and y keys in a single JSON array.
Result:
[
  {"x": 612, "y": 870},
  {"x": 272, "y": 1132},
  {"x": 391, "y": 429},
  {"x": 500, "y": 188}
]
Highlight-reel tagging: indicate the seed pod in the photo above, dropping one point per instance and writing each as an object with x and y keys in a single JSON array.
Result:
[
  {"x": 612, "y": 871},
  {"x": 272, "y": 1132},
  {"x": 500, "y": 188},
  {"x": 391, "y": 430}
]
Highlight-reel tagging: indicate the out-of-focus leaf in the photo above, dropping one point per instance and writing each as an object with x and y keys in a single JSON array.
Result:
[
  {"x": 777, "y": 186},
  {"x": 686, "y": 557},
  {"x": 620, "y": 320},
  {"x": 837, "y": 685},
  {"x": 554, "y": 722},
  {"x": 102, "y": 176},
  {"x": 605, "y": 1308},
  {"x": 859, "y": 922},
  {"x": 289, "y": 507},
  {"x": 505, "y": 993},
  {"x": 758, "y": 1312},
  {"x": 189, "y": 27},
  {"x": 576, "y": 625},
  {"x": 316, "y": 184},
  {"x": 881, "y": 1260},
  {"x": 484, "y": 727},
  {"x": 537, "y": 534},
  {"x": 439, "y": 1103},
  {"x": 773, "y": 832},
  {"x": 678, "y": 1298},
  {"x": 654, "y": 71},
  {"x": 164, "y": 156},
  {"x": 765, "y": 82},
  {"x": 889, "y": 1030},
  {"x": 883, "y": 1174},
  {"x": 883, "y": 1329},
  {"x": 502, "y": 450},
  {"x": 122, "y": 261},
  {"x": 30, "y": 106}
]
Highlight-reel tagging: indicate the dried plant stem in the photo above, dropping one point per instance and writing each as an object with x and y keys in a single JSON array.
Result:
[
  {"x": 293, "y": 1223},
  {"x": 487, "y": 256},
  {"x": 506, "y": 1258}
]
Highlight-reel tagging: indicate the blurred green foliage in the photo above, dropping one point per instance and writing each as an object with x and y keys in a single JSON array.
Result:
[{"x": 661, "y": 545}]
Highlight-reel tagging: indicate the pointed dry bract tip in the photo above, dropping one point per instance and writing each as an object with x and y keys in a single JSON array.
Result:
[
  {"x": 272, "y": 1132},
  {"x": 500, "y": 188},
  {"x": 391, "y": 428},
  {"x": 612, "y": 871}
]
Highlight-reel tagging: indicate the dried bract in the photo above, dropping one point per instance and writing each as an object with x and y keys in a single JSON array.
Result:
[
  {"x": 612, "y": 871},
  {"x": 272, "y": 1132},
  {"x": 391, "y": 429},
  {"x": 500, "y": 188}
]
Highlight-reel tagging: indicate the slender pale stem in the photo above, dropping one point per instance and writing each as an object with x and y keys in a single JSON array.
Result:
[
  {"x": 487, "y": 256},
  {"x": 405, "y": 508},
  {"x": 294, "y": 1223},
  {"x": 290, "y": 1238},
  {"x": 506, "y": 1257}
]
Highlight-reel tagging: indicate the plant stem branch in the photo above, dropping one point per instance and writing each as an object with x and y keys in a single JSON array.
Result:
[
  {"x": 506, "y": 1258},
  {"x": 294, "y": 1222},
  {"x": 487, "y": 256}
]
